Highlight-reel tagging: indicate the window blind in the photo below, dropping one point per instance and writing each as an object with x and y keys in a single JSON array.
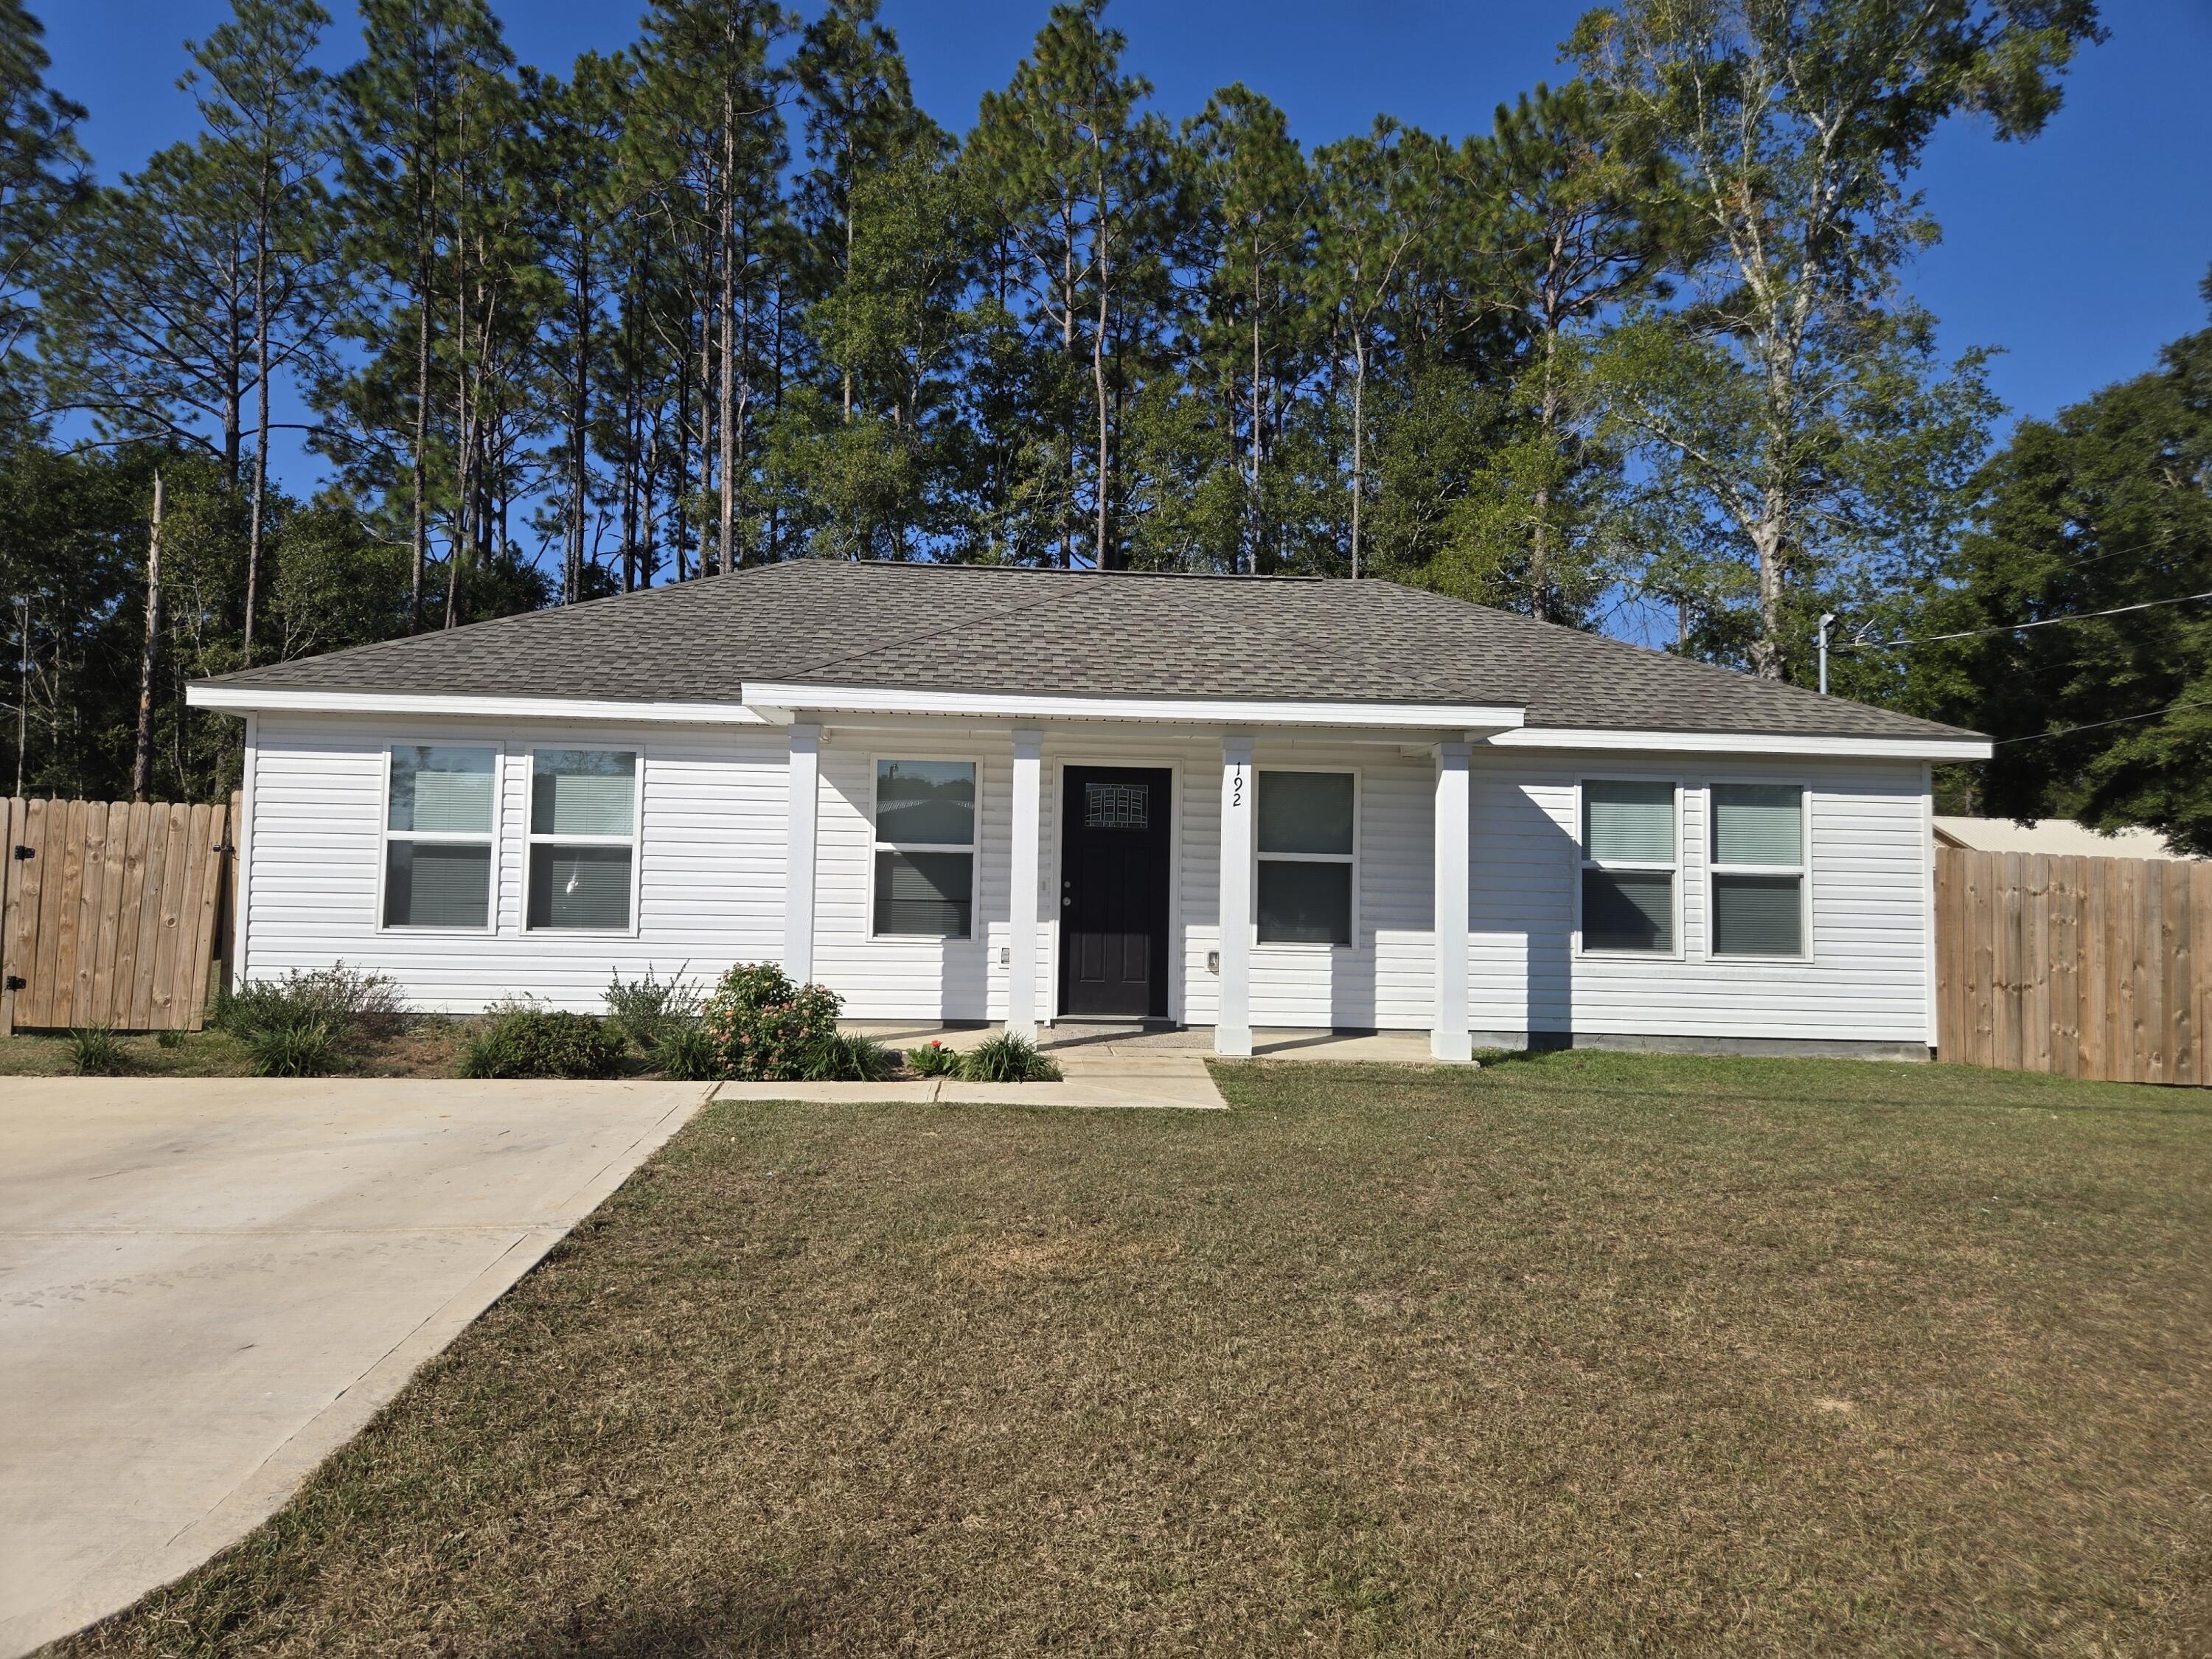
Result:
[
  {"x": 1628, "y": 823},
  {"x": 1758, "y": 823}
]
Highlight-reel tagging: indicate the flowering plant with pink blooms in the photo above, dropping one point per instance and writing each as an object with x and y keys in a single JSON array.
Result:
[{"x": 763, "y": 1028}]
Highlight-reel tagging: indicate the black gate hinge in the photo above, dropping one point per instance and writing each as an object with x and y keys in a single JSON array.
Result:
[{"x": 22, "y": 852}]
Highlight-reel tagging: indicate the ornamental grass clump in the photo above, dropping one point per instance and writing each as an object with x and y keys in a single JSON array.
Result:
[
  {"x": 95, "y": 1051},
  {"x": 1006, "y": 1058},
  {"x": 847, "y": 1058},
  {"x": 766, "y": 1029}
]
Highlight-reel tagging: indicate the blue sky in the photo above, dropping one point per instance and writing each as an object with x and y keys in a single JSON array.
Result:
[{"x": 2078, "y": 254}]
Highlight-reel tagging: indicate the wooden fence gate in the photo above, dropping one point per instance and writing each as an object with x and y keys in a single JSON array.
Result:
[
  {"x": 2086, "y": 967},
  {"x": 112, "y": 913}
]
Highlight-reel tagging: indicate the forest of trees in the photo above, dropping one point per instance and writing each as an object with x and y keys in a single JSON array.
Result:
[{"x": 1638, "y": 347}]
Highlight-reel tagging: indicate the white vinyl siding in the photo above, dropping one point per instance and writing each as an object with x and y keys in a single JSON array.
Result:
[
  {"x": 1865, "y": 979},
  {"x": 710, "y": 864},
  {"x": 710, "y": 856}
]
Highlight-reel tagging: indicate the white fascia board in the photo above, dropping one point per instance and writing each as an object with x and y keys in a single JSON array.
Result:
[
  {"x": 782, "y": 703},
  {"x": 1741, "y": 743},
  {"x": 239, "y": 699}
]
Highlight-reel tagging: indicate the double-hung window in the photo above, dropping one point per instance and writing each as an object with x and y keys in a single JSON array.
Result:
[
  {"x": 1630, "y": 862},
  {"x": 1759, "y": 870},
  {"x": 1307, "y": 837},
  {"x": 925, "y": 848},
  {"x": 583, "y": 838},
  {"x": 438, "y": 836}
]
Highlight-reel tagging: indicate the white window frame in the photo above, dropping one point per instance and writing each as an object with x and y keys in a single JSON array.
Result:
[
  {"x": 977, "y": 932},
  {"x": 1803, "y": 871},
  {"x": 531, "y": 839},
  {"x": 1353, "y": 858},
  {"x": 1676, "y": 869},
  {"x": 386, "y": 833}
]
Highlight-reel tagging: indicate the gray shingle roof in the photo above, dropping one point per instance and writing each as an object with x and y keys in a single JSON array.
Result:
[{"x": 997, "y": 629}]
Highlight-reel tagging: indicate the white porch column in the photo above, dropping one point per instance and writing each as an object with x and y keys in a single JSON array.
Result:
[
  {"x": 1022, "y": 1012},
  {"x": 1232, "y": 1026},
  {"x": 800, "y": 816},
  {"x": 1448, "y": 1039}
]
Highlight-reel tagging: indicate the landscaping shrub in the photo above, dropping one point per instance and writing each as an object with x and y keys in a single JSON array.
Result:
[
  {"x": 685, "y": 1054},
  {"x": 1006, "y": 1058},
  {"x": 933, "y": 1058},
  {"x": 644, "y": 1011},
  {"x": 348, "y": 1003},
  {"x": 841, "y": 1058},
  {"x": 765, "y": 1028},
  {"x": 169, "y": 1039},
  {"x": 309, "y": 1049},
  {"x": 97, "y": 1051},
  {"x": 517, "y": 1040}
]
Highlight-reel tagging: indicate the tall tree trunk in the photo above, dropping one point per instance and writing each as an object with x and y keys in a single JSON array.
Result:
[
  {"x": 1258, "y": 522},
  {"x": 1547, "y": 418},
  {"x": 848, "y": 259},
  {"x": 1358, "y": 436},
  {"x": 1100, "y": 557},
  {"x": 727, "y": 401},
  {"x": 142, "y": 763},
  {"x": 263, "y": 209},
  {"x": 580, "y": 411},
  {"x": 706, "y": 425}
]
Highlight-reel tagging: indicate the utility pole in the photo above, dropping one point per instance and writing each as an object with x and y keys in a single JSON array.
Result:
[
  {"x": 142, "y": 767},
  {"x": 1827, "y": 617}
]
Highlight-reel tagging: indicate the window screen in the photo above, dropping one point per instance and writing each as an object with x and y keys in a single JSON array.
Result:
[
  {"x": 1759, "y": 870},
  {"x": 1628, "y": 866},
  {"x": 438, "y": 824},
  {"x": 1305, "y": 834},
  {"x": 924, "y": 865},
  {"x": 583, "y": 824},
  {"x": 432, "y": 883}
]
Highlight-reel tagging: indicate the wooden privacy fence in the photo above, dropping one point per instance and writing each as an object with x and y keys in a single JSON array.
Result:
[
  {"x": 112, "y": 913},
  {"x": 2086, "y": 967}
]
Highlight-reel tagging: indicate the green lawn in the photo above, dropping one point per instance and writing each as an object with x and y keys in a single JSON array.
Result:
[{"x": 1588, "y": 1354}]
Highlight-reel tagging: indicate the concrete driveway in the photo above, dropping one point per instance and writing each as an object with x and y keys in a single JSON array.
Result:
[{"x": 207, "y": 1287}]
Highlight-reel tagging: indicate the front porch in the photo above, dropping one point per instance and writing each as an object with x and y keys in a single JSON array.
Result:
[{"x": 1253, "y": 891}]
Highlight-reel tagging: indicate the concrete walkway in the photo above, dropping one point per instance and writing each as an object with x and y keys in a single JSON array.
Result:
[
  {"x": 207, "y": 1287},
  {"x": 1089, "y": 1081}
]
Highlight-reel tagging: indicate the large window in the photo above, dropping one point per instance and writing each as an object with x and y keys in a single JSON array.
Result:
[
  {"x": 583, "y": 838},
  {"x": 1629, "y": 867},
  {"x": 925, "y": 848},
  {"x": 438, "y": 836},
  {"x": 1759, "y": 870},
  {"x": 1306, "y": 840}
]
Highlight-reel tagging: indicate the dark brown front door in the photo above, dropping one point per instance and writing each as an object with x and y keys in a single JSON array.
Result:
[{"x": 1114, "y": 892}]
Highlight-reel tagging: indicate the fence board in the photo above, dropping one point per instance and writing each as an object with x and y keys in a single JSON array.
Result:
[
  {"x": 2083, "y": 967},
  {"x": 112, "y": 918},
  {"x": 11, "y": 814}
]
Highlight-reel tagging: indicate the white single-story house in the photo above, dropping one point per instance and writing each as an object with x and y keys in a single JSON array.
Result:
[{"x": 979, "y": 793}]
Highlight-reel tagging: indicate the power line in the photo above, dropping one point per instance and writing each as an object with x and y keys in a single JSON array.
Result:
[
  {"x": 2092, "y": 726},
  {"x": 2015, "y": 627}
]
